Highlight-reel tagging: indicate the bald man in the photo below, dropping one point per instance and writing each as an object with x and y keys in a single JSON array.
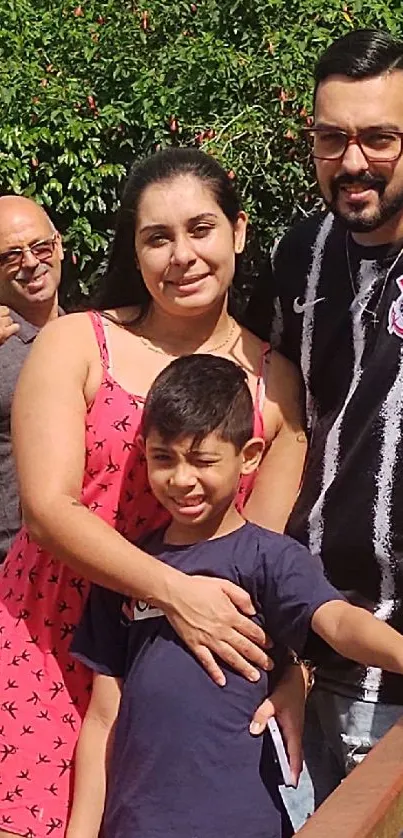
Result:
[{"x": 31, "y": 257}]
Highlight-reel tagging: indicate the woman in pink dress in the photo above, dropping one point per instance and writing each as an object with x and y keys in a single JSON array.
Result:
[{"x": 84, "y": 490}]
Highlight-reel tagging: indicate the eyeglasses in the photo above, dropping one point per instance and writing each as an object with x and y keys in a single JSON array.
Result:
[
  {"x": 377, "y": 145},
  {"x": 41, "y": 250}
]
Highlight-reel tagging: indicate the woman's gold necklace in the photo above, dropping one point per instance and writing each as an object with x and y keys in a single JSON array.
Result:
[{"x": 215, "y": 348}]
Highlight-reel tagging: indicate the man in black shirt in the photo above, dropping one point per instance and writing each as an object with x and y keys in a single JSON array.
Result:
[
  {"x": 30, "y": 270},
  {"x": 339, "y": 280}
]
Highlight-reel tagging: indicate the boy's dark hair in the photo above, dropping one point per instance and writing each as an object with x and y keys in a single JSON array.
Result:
[
  {"x": 361, "y": 54},
  {"x": 196, "y": 395}
]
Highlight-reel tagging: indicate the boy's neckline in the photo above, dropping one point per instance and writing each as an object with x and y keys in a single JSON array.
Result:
[{"x": 193, "y": 543}]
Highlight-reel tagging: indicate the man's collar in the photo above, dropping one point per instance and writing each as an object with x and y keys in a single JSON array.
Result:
[{"x": 27, "y": 331}]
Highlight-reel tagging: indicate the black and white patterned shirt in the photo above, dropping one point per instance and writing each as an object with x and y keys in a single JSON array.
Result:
[{"x": 350, "y": 509}]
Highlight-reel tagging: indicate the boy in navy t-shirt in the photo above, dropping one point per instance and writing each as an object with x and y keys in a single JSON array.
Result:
[{"x": 169, "y": 754}]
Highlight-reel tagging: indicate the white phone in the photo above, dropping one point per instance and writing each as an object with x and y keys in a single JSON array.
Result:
[{"x": 281, "y": 753}]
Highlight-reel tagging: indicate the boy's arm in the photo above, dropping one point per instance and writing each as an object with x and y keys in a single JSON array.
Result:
[
  {"x": 358, "y": 635},
  {"x": 92, "y": 758}
]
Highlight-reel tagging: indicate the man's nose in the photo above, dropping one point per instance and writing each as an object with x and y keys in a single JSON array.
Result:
[
  {"x": 354, "y": 160},
  {"x": 28, "y": 260}
]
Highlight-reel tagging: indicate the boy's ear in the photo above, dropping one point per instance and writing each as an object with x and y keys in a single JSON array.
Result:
[{"x": 252, "y": 454}]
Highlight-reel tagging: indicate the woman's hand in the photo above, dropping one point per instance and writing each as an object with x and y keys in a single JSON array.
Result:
[
  {"x": 287, "y": 704},
  {"x": 206, "y": 613}
]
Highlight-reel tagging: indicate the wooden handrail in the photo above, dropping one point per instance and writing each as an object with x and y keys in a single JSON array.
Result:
[{"x": 369, "y": 803}]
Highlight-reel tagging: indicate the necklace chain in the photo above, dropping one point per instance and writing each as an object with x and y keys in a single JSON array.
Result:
[
  {"x": 372, "y": 312},
  {"x": 148, "y": 343}
]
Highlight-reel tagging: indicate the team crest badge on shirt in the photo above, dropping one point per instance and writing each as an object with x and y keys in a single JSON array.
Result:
[
  {"x": 395, "y": 317},
  {"x": 137, "y": 609}
]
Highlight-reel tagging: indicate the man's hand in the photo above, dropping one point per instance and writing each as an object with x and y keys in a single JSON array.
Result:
[
  {"x": 7, "y": 327},
  {"x": 206, "y": 613},
  {"x": 287, "y": 704}
]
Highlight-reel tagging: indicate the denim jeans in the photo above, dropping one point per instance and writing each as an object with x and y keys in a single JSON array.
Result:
[{"x": 339, "y": 732}]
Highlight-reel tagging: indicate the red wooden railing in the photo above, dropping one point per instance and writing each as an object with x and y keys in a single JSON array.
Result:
[{"x": 369, "y": 803}]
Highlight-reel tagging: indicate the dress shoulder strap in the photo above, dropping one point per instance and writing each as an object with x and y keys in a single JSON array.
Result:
[
  {"x": 261, "y": 385},
  {"x": 101, "y": 337}
]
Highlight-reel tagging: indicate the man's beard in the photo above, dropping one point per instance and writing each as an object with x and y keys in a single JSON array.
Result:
[{"x": 387, "y": 208}]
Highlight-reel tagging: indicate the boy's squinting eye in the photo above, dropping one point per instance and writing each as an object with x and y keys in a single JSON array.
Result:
[{"x": 201, "y": 462}]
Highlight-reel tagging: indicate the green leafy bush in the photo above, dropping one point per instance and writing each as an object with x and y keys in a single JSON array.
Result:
[{"x": 87, "y": 88}]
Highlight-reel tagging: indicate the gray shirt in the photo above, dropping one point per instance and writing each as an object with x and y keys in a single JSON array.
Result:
[{"x": 12, "y": 356}]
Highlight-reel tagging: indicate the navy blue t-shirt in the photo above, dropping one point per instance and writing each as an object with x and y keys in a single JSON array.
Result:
[{"x": 184, "y": 763}]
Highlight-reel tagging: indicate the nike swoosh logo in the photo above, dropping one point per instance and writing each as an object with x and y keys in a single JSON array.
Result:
[{"x": 299, "y": 308}]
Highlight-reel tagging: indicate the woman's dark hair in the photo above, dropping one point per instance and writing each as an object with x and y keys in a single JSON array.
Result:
[
  {"x": 361, "y": 54},
  {"x": 196, "y": 395},
  {"x": 122, "y": 283}
]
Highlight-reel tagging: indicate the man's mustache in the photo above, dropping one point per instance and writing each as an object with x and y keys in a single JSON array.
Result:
[
  {"x": 27, "y": 276},
  {"x": 364, "y": 179}
]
